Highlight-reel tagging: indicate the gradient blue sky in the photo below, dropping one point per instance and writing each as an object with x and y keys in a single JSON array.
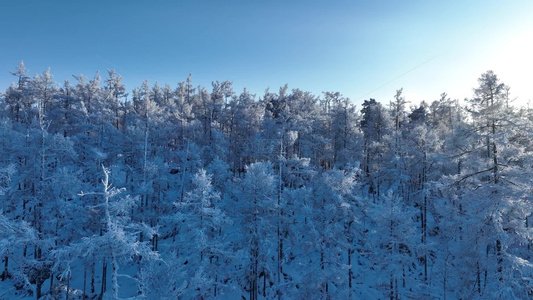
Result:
[{"x": 362, "y": 49}]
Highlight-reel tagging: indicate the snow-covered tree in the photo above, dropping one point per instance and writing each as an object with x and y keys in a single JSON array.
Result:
[
  {"x": 201, "y": 246},
  {"x": 258, "y": 209},
  {"x": 116, "y": 244}
]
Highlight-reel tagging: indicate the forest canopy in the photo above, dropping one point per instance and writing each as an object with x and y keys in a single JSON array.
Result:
[{"x": 201, "y": 193}]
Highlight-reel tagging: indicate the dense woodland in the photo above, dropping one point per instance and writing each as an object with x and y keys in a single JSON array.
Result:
[{"x": 190, "y": 192}]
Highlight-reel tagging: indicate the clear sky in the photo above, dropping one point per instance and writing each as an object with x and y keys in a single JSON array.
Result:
[{"x": 363, "y": 49}]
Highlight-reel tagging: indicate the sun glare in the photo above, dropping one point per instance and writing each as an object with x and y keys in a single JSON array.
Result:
[{"x": 512, "y": 61}]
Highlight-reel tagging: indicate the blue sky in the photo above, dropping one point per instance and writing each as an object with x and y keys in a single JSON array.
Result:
[{"x": 362, "y": 49}]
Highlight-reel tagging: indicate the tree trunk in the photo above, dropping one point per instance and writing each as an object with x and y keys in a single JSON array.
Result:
[
  {"x": 391, "y": 288},
  {"x": 114, "y": 276},
  {"x": 38, "y": 288},
  {"x": 350, "y": 273},
  {"x": 397, "y": 294},
  {"x": 215, "y": 287},
  {"x": 445, "y": 277},
  {"x": 424, "y": 239},
  {"x": 264, "y": 284},
  {"x": 322, "y": 267},
  {"x": 104, "y": 279},
  {"x": 478, "y": 278},
  {"x": 255, "y": 265},
  {"x": 84, "y": 295},
  {"x": 93, "y": 288},
  {"x": 5, "y": 274},
  {"x": 51, "y": 281},
  {"x": 68, "y": 288},
  {"x": 500, "y": 259},
  {"x": 280, "y": 216}
]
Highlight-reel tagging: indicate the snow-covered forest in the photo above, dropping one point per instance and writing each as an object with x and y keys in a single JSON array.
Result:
[{"x": 191, "y": 192}]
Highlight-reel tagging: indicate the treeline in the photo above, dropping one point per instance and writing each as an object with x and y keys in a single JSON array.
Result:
[{"x": 193, "y": 193}]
